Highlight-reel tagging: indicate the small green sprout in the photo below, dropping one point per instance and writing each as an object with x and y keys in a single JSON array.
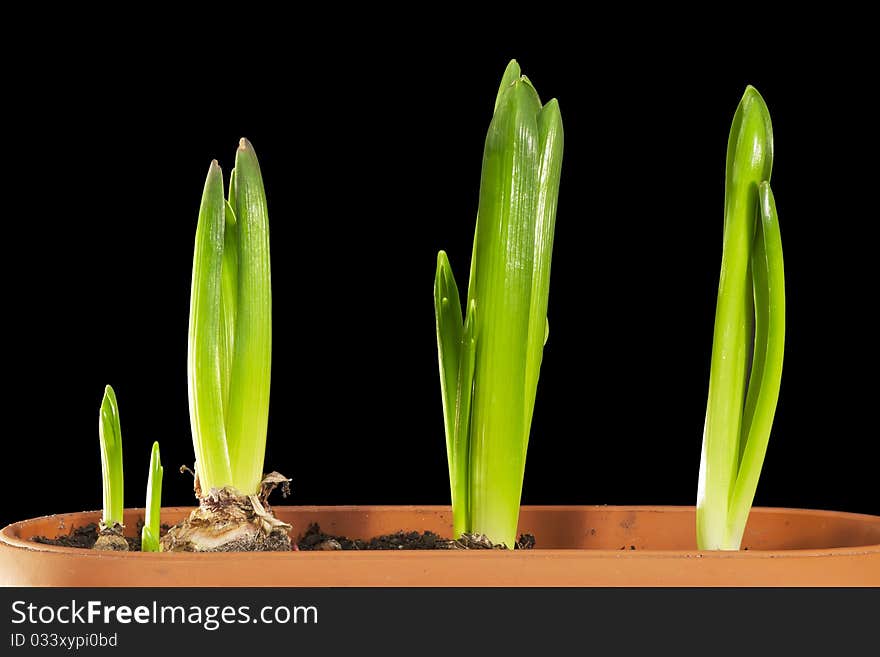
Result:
[
  {"x": 110, "y": 436},
  {"x": 490, "y": 357},
  {"x": 150, "y": 531},
  {"x": 749, "y": 339}
]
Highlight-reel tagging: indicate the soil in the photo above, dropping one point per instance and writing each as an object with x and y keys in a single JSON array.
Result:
[
  {"x": 313, "y": 540},
  {"x": 85, "y": 537},
  {"x": 79, "y": 537},
  {"x": 316, "y": 540}
]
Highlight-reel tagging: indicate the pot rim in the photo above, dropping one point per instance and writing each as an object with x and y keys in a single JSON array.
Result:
[{"x": 9, "y": 538}]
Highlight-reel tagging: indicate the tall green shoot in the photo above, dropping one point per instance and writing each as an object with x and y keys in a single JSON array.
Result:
[
  {"x": 230, "y": 334},
  {"x": 490, "y": 357},
  {"x": 748, "y": 344}
]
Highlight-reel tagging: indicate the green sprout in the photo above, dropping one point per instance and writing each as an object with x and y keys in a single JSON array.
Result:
[
  {"x": 230, "y": 330},
  {"x": 490, "y": 358},
  {"x": 150, "y": 532},
  {"x": 749, "y": 329},
  {"x": 110, "y": 436}
]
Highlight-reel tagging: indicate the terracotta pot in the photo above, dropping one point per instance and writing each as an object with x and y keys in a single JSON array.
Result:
[{"x": 578, "y": 546}]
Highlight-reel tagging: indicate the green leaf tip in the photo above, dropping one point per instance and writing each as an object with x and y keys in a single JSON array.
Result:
[
  {"x": 110, "y": 408},
  {"x": 750, "y": 146},
  {"x": 511, "y": 74},
  {"x": 447, "y": 310},
  {"x": 442, "y": 261}
]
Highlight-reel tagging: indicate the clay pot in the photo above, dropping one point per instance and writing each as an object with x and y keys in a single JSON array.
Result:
[{"x": 577, "y": 546}]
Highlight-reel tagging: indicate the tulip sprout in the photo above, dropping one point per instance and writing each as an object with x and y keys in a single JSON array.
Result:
[{"x": 749, "y": 328}]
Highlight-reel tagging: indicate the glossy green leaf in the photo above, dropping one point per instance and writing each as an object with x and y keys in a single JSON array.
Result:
[
  {"x": 207, "y": 417},
  {"x": 248, "y": 411},
  {"x": 505, "y": 246},
  {"x": 550, "y": 135},
  {"x": 447, "y": 311}
]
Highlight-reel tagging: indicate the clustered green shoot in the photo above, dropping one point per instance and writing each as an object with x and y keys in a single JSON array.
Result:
[
  {"x": 150, "y": 531},
  {"x": 230, "y": 329},
  {"x": 490, "y": 357},
  {"x": 748, "y": 344},
  {"x": 110, "y": 436}
]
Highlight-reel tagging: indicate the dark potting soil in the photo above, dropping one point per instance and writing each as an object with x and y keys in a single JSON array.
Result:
[
  {"x": 314, "y": 539},
  {"x": 85, "y": 537},
  {"x": 79, "y": 537}
]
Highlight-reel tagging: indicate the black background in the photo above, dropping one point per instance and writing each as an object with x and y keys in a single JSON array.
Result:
[{"x": 371, "y": 156}]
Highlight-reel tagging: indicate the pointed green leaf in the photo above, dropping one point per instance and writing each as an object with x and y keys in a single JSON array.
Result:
[
  {"x": 152, "y": 524},
  {"x": 203, "y": 362},
  {"x": 248, "y": 412},
  {"x": 504, "y": 260},
  {"x": 550, "y": 139},
  {"x": 447, "y": 311},
  {"x": 110, "y": 436},
  {"x": 511, "y": 75}
]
